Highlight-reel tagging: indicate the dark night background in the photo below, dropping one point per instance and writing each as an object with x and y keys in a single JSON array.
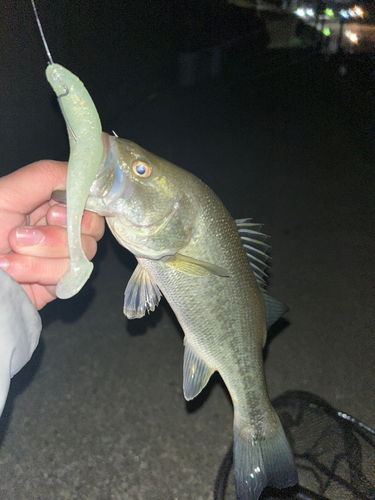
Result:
[{"x": 284, "y": 136}]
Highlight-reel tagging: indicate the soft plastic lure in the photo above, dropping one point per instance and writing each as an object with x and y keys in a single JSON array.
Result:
[{"x": 86, "y": 153}]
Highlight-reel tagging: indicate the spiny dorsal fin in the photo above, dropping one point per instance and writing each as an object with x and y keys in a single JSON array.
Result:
[{"x": 255, "y": 248}]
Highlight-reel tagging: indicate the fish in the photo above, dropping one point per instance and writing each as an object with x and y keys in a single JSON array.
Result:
[{"x": 210, "y": 268}]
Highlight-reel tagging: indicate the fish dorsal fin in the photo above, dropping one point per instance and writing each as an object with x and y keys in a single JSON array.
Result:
[
  {"x": 255, "y": 248},
  {"x": 141, "y": 294},
  {"x": 196, "y": 372},
  {"x": 274, "y": 309},
  {"x": 194, "y": 267}
]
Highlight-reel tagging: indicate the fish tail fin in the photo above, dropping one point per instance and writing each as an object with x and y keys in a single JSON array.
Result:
[{"x": 261, "y": 463}]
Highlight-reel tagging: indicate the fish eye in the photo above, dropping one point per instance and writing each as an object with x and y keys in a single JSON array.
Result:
[{"x": 142, "y": 169}]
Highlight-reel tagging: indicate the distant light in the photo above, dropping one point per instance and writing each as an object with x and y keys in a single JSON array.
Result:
[
  {"x": 344, "y": 13},
  {"x": 300, "y": 12},
  {"x": 329, "y": 12},
  {"x": 310, "y": 12},
  {"x": 359, "y": 11},
  {"x": 351, "y": 36},
  {"x": 352, "y": 13},
  {"x": 326, "y": 31}
]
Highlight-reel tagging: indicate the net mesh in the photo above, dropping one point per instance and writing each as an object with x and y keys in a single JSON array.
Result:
[{"x": 334, "y": 453}]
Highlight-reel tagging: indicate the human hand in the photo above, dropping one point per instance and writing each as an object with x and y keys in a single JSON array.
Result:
[{"x": 33, "y": 238}]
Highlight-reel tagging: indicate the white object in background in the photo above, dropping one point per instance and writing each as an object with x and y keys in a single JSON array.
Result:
[{"x": 20, "y": 327}]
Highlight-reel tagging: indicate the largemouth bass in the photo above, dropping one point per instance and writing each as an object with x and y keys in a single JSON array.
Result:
[{"x": 209, "y": 268}]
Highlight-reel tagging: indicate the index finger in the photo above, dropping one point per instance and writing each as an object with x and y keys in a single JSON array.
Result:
[{"x": 29, "y": 187}]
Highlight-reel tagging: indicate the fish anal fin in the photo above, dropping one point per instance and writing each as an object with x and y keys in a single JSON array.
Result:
[
  {"x": 261, "y": 463},
  {"x": 194, "y": 267},
  {"x": 141, "y": 294},
  {"x": 196, "y": 373}
]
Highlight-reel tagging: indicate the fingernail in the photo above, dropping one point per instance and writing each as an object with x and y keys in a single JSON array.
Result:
[
  {"x": 4, "y": 263},
  {"x": 58, "y": 215},
  {"x": 27, "y": 236}
]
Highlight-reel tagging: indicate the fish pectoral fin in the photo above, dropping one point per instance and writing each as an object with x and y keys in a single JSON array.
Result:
[
  {"x": 196, "y": 372},
  {"x": 194, "y": 267},
  {"x": 141, "y": 294}
]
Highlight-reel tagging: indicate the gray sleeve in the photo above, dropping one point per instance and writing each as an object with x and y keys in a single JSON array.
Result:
[{"x": 20, "y": 327}]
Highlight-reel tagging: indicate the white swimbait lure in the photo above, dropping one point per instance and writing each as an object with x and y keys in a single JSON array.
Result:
[{"x": 86, "y": 153}]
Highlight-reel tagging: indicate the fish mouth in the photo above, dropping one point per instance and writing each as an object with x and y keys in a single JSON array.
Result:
[
  {"x": 102, "y": 188},
  {"x": 112, "y": 185}
]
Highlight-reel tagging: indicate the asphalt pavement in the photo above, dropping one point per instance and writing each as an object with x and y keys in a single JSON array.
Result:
[{"x": 98, "y": 413}]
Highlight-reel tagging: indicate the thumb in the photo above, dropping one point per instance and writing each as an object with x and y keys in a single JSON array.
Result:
[{"x": 31, "y": 186}]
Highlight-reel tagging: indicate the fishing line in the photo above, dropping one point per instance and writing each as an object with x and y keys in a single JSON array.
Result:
[{"x": 51, "y": 62}]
